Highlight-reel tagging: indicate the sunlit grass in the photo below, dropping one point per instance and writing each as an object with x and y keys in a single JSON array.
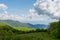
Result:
[
  {"x": 24, "y": 28},
  {"x": 3, "y": 25}
]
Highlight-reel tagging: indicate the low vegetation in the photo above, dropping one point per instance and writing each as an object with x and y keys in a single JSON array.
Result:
[
  {"x": 9, "y": 33},
  {"x": 54, "y": 30}
]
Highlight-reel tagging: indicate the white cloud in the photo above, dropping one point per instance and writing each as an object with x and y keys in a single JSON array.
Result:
[
  {"x": 45, "y": 11},
  {"x": 12, "y": 17},
  {"x": 41, "y": 18},
  {"x": 3, "y": 6},
  {"x": 40, "y": 8},
  {"x": 5, "y": 15},
  {"x": 49, "y": 7}
]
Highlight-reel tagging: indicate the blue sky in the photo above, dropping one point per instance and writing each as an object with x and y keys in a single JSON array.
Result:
[
  {"x": 18, "y": 6},
  {"x": 30, "y": 11}
]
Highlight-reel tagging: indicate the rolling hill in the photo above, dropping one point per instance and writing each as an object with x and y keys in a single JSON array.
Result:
[
  {"x": 37, "y": 25},
  {"x": 9, "y": 33},
  {"x": 20, "y": 24}
]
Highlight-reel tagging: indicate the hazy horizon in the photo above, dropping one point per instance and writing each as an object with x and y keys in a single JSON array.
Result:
[{"x": 30, "y": 11}]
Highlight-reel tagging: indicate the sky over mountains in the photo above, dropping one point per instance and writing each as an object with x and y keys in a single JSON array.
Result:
[
  {"x": 43, "y": 11},
  {"x": 50, "y": 7}
]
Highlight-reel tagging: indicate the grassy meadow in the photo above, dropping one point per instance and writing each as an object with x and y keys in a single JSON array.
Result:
[
  {"x": 24, "y": 28},
  {"x": 21, "y": 33}
]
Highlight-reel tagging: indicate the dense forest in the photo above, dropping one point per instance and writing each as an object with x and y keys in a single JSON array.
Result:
[{"x": 51, "y": 33}]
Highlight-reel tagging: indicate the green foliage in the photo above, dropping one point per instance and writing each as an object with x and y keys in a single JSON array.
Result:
[
  {"x": 41, "y": 30},
  {"x": 9, "y": 33},
  {"x": 54, "y": 29},
  {"x": 29, "y": 36}
]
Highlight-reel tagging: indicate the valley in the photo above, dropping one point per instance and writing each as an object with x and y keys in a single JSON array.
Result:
[{"x": 8, "y": 32}]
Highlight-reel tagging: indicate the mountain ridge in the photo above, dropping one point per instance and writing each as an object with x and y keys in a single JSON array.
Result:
[{"x": 20, "y": 24}]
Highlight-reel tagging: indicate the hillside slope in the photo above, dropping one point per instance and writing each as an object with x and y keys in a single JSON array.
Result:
[
  {"x": 9, "y": 33},
  {"x": 20, "y": 24}
]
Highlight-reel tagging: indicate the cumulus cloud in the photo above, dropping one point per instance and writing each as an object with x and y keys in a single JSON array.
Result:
[
  {"x": 48, "y": 7},
  {"x": 44, "y": 10},
  {"x": 34, "y": 16},
  {"x": 3, "y": 6},
  {"x": 5, "y": 15}
]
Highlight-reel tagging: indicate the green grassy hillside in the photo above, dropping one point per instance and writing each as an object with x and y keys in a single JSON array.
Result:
[
  {"x": 14, "y": 23},
  {"x": 9, "y": 33},
  {"x": 24, "y": 28}
]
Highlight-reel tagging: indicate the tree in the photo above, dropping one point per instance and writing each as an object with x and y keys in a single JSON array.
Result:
[
  {"x": 54, "y": 29},
  {"x": 58, "y": 30}
]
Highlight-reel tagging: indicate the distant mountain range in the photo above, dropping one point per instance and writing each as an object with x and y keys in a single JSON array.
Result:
[
  {"x": 20, "y": 24},
  {"x": 37, "y": 25}
]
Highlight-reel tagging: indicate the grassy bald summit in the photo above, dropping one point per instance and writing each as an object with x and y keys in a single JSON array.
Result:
[
  {"x": 18, "y": 24},
  {"x": 13, "y": 23}
]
